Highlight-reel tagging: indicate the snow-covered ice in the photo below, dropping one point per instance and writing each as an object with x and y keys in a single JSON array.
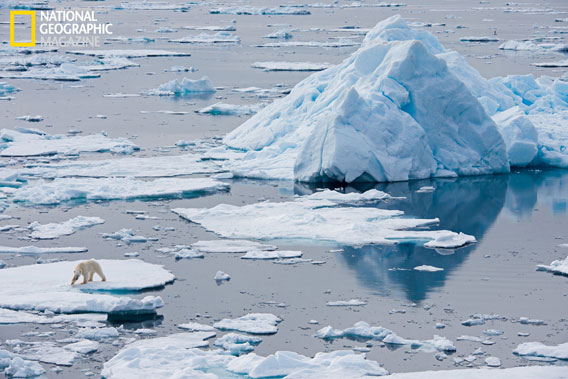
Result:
[
  {"x": 196, "y": 327},
  {"x": 237, "y": 344},
  {"x": 55, "y": 230},
  {"x": 205, "y": 38},
  {"x": 220, "y": 276},
  {"x": 184, "y": 87},
  {"x": 125, "y": 53},
  {"x": 394, "y": 80},
  {"x": 248, "y": 10},
  {"x": 223, "y": 109},
  {"x": 275, "y": 254},
  {"x": 336, "y": 197},
  {"x": 319, "y": 220},
  {"x": 556, "y": 267},
  {"x": 126, "y": 235},
  {"x": 231, "y": 246},
  {"x": 83, "y": 346},
  {"x": 533, "y": 372},
  {"x": 346, "y": 303},
  {"x": 97, "y": 334},
  {"x": 428, "y": 268},
  {"x": 96, "y": 189},
  {"x": 46, "y": 287},
  {"x": 538, "y": 349},
  {"x": 35, "y": 250},
  {"x": 26, "y": 142},
  {"x": 16, "y": 367},
  {"x": 252, "y": 323},
  {"x": 46, "y": 352},
  {"x": 290, "y": 66}
]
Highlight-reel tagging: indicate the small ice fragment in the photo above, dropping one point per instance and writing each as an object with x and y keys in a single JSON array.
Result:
[
  {"x": 220, "y": 275},
  {"x": 492, "y": 361},
  {"x": 428, "y": 268},
  {"x": 346, "y": 303}
]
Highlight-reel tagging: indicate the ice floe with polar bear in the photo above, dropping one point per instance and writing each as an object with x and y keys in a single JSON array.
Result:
[
  {"x": 30, "y": 142},
  {"x": 46, "y": 288},
  {"x": 319, "y": 220},
  {"x": 96, "y": 189}
]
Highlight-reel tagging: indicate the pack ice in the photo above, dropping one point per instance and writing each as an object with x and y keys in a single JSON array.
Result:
[
  {"x": 320, "y": 219},
  {"x": 46, "y": 287},
  {"x": 402, "y": 107},
  {"x": 31, "y": 142}
]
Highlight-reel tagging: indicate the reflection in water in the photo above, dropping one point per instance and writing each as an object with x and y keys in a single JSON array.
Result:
[{"x": 469, "y": 205}]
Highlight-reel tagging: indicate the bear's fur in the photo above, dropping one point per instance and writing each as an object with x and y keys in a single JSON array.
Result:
[{"x": 88, "y": 269}]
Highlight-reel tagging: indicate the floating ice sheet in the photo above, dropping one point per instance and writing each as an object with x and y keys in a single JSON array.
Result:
[
  {"x": 125, "y": 53},
  {"x": 90, "y": 189},
  {"x": 276, "y": 254},
  {"x": 55, "y": 230},
  {"x": 223, "y": 109},
  {"x": 35, "y": 250},
  {"x": 319, "y": 220},
  {"x": 184, "y": 87},
  {"x": 533, "y": 372},
  {"x": 556, "y": 267},
  {"x": 230, "y": 246},
  {"x": 205, "y": 38},
  {"x": 252, "y": 323},
  {"x": 26, "y": 142},
  {"x": 290, "y": 66},
  {"x": 46, "y": 287},
  {"x": 248, "y": 10},
  {"x": 537, "y": 349},
  {"x": 46, "y": 352}
]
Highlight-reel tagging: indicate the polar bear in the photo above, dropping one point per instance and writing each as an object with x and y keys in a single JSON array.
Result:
[{"x": 88, "y": 269}]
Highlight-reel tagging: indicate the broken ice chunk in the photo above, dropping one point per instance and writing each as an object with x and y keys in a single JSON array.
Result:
[
  {"x": 55, "y": 230},
  {"x": 252, "y": 323}
]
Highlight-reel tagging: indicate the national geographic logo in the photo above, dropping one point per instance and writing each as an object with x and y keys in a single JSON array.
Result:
[{"x": 57, "y": 28}]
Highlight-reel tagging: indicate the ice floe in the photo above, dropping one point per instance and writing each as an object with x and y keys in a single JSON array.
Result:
[
  {"x": 205, "y": 38},
  {"x": 95, "y": 189},
  {"x": 308, "y": 134},
  {"x": 45, "y": 352},
  {"x": 362, "y": 330},
  {"x": 125, "y": 53},
  {"x": 6, "y": 89},
  {"x": 15, "y": 366},
  {"x": 556, "y": 267},
  {"x": 223, "y": 109},
  {"x": 221, "y": 276},
  {"x": 537, "y": 349},
  {"x": 46, "y": 288},
  {"x": 252, "y": 323},
  {"x": 231, "y": 246},
  {"x": 97, "y": 334},
  {"x": 532, "y": 372},
  {"x": 55, "y": 230},
  {"x": 68, "y": 72},
  {"x": 83, "y": 346},
  {"x": 196, "y": 327},
  {"x": 290, "y": 66},
  {"x": 346, "y": 303},
  {"x": 319, "y": 220},
  {"x": 248, "y": 10},
  {"x": 428, "y": 268},
  {"x": 125, "y": 235},
  {"x": 27, "y": 142},
  {"x": 316, "y": 44},
  {"x": 184, "y": 87},
  {"x": 276, "y": 254},
  {"x": 237, "y": 344},
  {"x": 35, "y": 250},
  {"x": 212, "y": 28}
]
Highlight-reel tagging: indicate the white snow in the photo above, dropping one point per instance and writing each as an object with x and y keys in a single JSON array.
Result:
[
  {"x": 326, "y": 129},
  {"x": 252, "y": 323},
  {"x": 556, "y": 267},
  {"x": 34, "y": 250},
  {"x": 278, "y": 254},
  {"x": 428, "y": 268},
  {"x": 93, "y": 189},
  {"x": 22, "y": 143},
  {"x": 538, "y": 349},
  {"x": 55, "y": 230},
  {"x": 184, "y": 87},
  {"x": 290, "y": 66},
  {"x": 533, "y": 372},
  {"x": 319, "y": 220},
  {"x": 223, "y": 109},
  {"x": 230, "y": 246},
  {"x": 237, "y": 344},
  {"x": 220, "y": 275},
  {"x": 46, "y": 287}
]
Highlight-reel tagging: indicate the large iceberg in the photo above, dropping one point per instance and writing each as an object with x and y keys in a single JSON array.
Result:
[
  {"x": 392, "y": 111},
  {"x": 403, "y": 107},
  {"x": 46, "y": 287}
]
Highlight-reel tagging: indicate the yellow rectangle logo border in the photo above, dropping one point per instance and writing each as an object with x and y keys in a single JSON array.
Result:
[{"x": 12, "y": 23}]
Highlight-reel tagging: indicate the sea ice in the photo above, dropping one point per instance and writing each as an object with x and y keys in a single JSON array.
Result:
[
  {"x": 91, "y": 189},
  {"x": 83, "y": 346},
  {"x": 46, "y": 287},
  {"x": 184, "y": 87},
  {"x": 479, "y": 39},
  {"x": 55, "y": 230},
  {"x": 6, "y": 89},
  {"x": 196, "y": 327},
  {"x": 537, "y": 349},
  {"x": 68, "y": 72},
  {"x": 126, "y": 235},
  {"x": 230, "y": 246},
  {"x": 220, "y": 276},
  {"x": 24, "y": 142},
  {"x": 401, "y": 86},
  {"x": 188, "y": 254},
  {"x": 290, "y": 66},
  {"x": 17, "y": 367},
  {"x": 125, "y": 53},
  {"x": 428, "y": 268},
  {"x": 277, "y": 254},
  {"x": 237, "y": 344},
  {"x": 34, "y": 250},
  {"x": 316, "y": 44},
  {"x": 46, "y": 352},
  {"x": 97, "y": 334},
  {"x": 252, "y": 323},
  {"x": 346, "y": 303},
  {"x": 223, "y": 109},
  {"x": 336, "y": 197},
  {"x": 205, "y": 38},
  {"x": 248, "y": 10},
  {"x": 556, "y": 267},
  {"x": 362, "y": 330},
  {"x": 319, "y": 220}
]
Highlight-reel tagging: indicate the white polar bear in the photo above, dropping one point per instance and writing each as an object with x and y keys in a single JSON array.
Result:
[{"x": 88, "y": 269}]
